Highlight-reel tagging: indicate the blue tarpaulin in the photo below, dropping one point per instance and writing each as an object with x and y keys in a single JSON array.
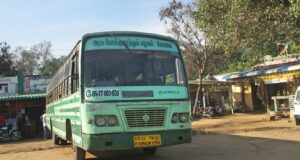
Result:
[{"x": 251, "y": 73}]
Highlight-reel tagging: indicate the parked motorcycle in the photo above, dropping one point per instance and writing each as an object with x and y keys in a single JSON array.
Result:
[
  {"x": 211, "y": 111},
  {"x": 208, "y": 112},
  {"x": 238, "y": 107},
  {"x": 219, "y": 110},
  {"x": 8, "y": 132}
]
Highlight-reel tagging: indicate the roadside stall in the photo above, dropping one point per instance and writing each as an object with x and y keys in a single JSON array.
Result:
[
  {"x": 215, "y": 93},
  {"x": 271, "y": 86},
  {"x": 23, "y": 113}
]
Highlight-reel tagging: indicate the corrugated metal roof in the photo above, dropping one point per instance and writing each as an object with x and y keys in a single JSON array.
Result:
[
  {"x": 22, "y": 97},
  {"x": 265, "y": 71},
  {"x": 209, "y": 82}
]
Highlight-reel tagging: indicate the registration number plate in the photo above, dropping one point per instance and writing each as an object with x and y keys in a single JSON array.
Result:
[{"x": 146, "y": 141}]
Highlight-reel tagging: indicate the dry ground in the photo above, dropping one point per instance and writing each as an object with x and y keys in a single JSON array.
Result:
[
  {"x": 250, "y": 125},
  {"x": 233, "y": 137}
]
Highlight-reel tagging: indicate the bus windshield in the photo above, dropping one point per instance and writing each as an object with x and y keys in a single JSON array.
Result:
[{"x": 132, "y": 68}]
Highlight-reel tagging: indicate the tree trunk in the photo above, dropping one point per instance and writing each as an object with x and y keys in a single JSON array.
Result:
[{"x": 199, "y": 94}]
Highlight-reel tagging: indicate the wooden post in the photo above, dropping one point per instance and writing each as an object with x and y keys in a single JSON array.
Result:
[{"x": 243, "y": 94}]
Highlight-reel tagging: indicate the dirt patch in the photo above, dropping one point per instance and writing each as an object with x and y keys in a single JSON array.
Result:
[
  {"x": 30, "y": 145},
  {"x": 240, "y": 136},
  {"x": 253, "y": 125}
]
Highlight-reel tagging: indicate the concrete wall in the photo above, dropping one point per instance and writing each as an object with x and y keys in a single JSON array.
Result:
[
  {"x": 8, "y": 86},
  {"x": 248, "y": 97},
  {"x": 237, "y": 94}
]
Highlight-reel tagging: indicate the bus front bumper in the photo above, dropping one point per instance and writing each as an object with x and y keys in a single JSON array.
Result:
[{"x": 124, "y": 141}]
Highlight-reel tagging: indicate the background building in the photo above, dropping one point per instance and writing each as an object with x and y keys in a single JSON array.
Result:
[
  {"x": 258, "y": 89},
  {"x": 23, "y": 96}
]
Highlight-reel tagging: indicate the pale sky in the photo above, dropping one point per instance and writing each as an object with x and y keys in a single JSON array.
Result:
[{"x": 63, "y": 22}]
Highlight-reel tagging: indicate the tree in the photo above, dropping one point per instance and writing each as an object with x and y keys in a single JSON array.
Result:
[
  {"x": 249, "y": 30},
  {"x": 197, "y": 50},
  {"x": 43, "y": 51},
  {"x": 32, "y": 61},
  {"x": 52, "y": 65},
  {"x": 27, "y": 63},
  {"x": 6, "y": 60}
]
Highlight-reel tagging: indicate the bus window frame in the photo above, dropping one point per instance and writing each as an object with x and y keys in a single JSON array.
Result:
[{"x": 85, "y": 39}]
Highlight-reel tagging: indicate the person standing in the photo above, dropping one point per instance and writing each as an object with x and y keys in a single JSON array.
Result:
[
  {"x": 45, "y": 128},
  {"x": 2, "y": 120},
  {"x": 27, "y": 126}
]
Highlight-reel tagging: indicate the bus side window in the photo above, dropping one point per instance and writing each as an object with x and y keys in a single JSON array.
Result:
[{"x": 74, "y": 74}]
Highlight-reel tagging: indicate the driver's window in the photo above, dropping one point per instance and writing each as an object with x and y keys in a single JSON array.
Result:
[{"x": 74, "y": 75}]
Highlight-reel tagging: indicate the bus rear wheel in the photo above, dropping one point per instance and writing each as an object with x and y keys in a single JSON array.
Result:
[
  {"x": 79, "y": 153},
  {"x": 55, "y": 139},
  {"x": 149, "y": 151},
  {"x": 297, "y": 121},
  {"x": 62, "y": 141}
]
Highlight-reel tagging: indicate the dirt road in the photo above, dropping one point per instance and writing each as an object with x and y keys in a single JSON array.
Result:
[
  {"x": 243, "y": 136},
  {"x": 250, "y": 125}
]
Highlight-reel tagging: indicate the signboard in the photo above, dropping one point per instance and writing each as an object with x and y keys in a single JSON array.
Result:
[
  {"x": 8, "y": 85},
  {"x": 36, "y": 84},
  {"x": 6, "y": 80},
  {"x": 135, "y": 92},
  {"x": 135, "y": 43}
]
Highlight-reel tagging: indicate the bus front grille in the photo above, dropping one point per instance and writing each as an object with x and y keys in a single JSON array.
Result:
[{"x": 145, "y": 118}]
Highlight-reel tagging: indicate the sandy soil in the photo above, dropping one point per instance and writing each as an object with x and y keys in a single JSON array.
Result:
[
  {"x": 252, "y": 125},
  {"x": 240, "y": 136}
]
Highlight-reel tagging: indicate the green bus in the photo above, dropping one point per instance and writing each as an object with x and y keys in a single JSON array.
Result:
[{"x": 120, "y": 91}]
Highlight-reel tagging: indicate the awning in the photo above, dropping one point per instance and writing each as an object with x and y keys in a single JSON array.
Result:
[
  {"x": 252, "y": 73},
  {"x": 210, "y": 82},
  {"x": 22, "y": 97}
]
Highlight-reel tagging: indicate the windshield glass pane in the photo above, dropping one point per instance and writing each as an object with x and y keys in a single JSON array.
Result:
[{"x": 132, "y": 68}]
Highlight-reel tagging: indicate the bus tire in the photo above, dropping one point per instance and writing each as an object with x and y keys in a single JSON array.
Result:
[
  {"x": 55, "y": 139},
  {"x": 62, "y": 141},
  {"x": 297, "y": 121},
  {"x": 149, "y": 151},
  {"x": 68, "y": 130},
  {"x": 79, "y": 153}
]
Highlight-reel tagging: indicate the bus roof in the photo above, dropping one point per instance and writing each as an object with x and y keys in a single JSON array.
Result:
[{"x": 126, "y": 33}]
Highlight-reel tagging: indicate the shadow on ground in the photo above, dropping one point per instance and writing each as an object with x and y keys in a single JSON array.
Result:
[{"x": 217, "y": 147}]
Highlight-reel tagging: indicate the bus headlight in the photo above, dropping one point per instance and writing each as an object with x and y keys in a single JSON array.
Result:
[
  {"x": 184, "y": 117},
  {"x": 112, "y": 120},
  {"x": 100, "y": 121},
  {"x": 174, "y": 118}
]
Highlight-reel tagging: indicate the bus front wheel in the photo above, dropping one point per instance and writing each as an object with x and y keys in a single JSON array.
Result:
[
  {"x": 79, "y": 153},
  {"x": 149, "y": 151}
]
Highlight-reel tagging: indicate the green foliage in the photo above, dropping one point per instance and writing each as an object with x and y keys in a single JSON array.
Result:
[
  {"x": 42, "y": 50},
  {"x": 27, "y": 63},
  {"x": 6, "y": 60},
  {"x": 52, "y": 65},
  {"x": 197, "y": 51},
  {"x": 294, "y": 47},
  {"x": 37, "y": 60},
  {"x": 248, "y": 30},
  {"x": 32, "y": 61},
  {"x": 294, "y": 9}
]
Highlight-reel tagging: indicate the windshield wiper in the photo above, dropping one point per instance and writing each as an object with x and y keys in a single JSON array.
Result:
[
  {"x": 126, "y": 46},
  {"x": 123, "y": 43}
]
